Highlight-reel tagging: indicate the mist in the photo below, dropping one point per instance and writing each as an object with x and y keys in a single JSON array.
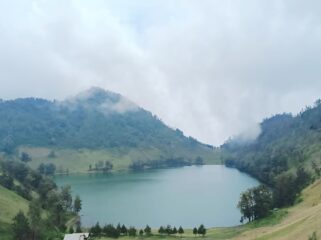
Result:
[{"x": 214, "y": 69}]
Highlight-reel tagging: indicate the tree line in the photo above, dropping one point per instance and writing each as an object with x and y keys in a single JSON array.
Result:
[
  {"x": 163, "y": 163},
  {"x": 257, "y": 202},
  {"x": 112, "y": 231},
  {"x": 101, "y": 166}
]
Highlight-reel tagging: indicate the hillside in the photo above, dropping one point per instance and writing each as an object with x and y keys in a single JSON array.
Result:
[
  {"x": 94, "y": 126},
  {"x": 10, "y": 204},
  {"x": 285, "y": 144},
  {"x": 301, "y": 221}
]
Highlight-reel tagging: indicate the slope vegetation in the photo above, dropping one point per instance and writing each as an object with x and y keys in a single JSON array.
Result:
[
  {"x": 285, "y": 144},
  {"x": 10, "y": 204},
  {"x": 94, "y": 126},
  {"x": 301, "y": 221}
]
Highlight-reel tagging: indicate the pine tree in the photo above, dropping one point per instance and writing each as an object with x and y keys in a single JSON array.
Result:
[
  {"x": 201, "y": 230},
  {"x": 148, "y": 230},
  {"x": 195, "y": 231},
  {"x": 77, "y": 204},
  {"x": 174, "y": 230},
  {"x": 161, "y": 230},
  {"x": 123, "y": 230},
  {"x": 20, "y": 227}
]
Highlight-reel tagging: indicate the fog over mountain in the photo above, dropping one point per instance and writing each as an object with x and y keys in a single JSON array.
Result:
[{"x": 211, "y": 68}]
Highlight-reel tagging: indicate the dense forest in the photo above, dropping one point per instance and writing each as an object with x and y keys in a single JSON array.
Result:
[
  {"x": 94, "y": 120},
  {"x": 285, "y": 156}
]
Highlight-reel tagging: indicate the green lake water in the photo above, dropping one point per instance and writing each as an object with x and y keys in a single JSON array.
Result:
[{"x": 186, "y": 196}]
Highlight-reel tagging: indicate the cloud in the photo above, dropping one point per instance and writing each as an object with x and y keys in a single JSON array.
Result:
[
  {"x": 211, "y": 68},
  {"x": 99, "y": 99}
]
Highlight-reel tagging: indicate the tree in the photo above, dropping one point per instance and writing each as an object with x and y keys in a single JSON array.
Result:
[
  {"x": 174, "y": 230},
  {"x": 66, "y": 198},
  {"x": 71, "y": 230},
  {"x": 199, "y": 161},
  {"x": 195, "y": 231},
  {"x": 201, "y": 230},
  {"x": 20, "y": 227},
  {"x": 141, "y": 232},
  {"x": 52, "y": 154},
  {"x": 95, "y": 231},
  {"x": 6, "y": 181},
  {"x": 180, "y": 230},
  {"x": 111, "y": 231},
  {"x": 34, "y": 215},
  {"x": 148, "y": 230},
  {"x": 78, "y": 228},
  {"x": 316, "y": 169},
  {"x": 8, "y": 145},
  {"x": 118, "y": 228},
  {"x": 284, "y": 191},
  {"x": 47, "y": 169},
  {"x": 132, "y": 232},
  {"x": 246, "y": 204},
  {"x": 255, "y": 203},
  {"x": 25, "y": 157},
  {"x": 108, "y": 166},
  {"x": 263, "y": 201},
  {"x": 169, "y": 230},
  {"x": 303, "y": 178},
  {"x": 161, "y": 230},
  {"x": 123, "y": 230},
  {"x": 77, "y": 204}
]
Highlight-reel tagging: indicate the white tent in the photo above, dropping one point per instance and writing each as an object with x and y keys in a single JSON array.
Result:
[{"x": 76, "y": 236}]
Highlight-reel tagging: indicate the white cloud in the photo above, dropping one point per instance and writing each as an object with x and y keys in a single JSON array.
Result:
[{"x": 212, "y": 68}]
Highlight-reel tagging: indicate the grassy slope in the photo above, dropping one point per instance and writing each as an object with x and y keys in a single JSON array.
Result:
[
  {"x": 301, "y": 221},
  {"x": 10, "y": 204},
  {"x": 79, "y": 160}
]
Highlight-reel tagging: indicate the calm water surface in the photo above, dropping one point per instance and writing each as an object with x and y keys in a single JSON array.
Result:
[{"x": 186, "y": 196}]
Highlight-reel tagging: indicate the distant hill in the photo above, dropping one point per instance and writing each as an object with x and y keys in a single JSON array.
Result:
[{"x": 96, "y": 121}]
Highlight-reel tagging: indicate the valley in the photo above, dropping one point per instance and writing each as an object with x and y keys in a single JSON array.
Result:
[{"x": 105, "y": 153}]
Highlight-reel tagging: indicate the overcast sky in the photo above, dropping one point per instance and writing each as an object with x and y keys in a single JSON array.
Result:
[{"x": 211, "y": 68}]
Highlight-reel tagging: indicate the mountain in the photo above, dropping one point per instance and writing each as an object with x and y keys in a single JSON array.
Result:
[{"x": 94, "y": 122}]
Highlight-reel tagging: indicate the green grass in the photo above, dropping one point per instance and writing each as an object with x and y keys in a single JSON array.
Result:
[
  {"x": 78, "y": 161},
  {"x": 271, "y": 220},
  {"x": 10, "y": 204},
  {"x": 283, "y": 232}
]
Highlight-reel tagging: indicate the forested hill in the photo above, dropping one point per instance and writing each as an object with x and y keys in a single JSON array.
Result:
[
  {"x": 94, "y": 119},
  {"x": 287, "y": 152}
]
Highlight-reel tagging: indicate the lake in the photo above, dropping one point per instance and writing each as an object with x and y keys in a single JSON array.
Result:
[{"x": 186, "y": 196}]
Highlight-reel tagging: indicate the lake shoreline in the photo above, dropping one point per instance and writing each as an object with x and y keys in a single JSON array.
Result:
[{"x": 139, "y": 195}]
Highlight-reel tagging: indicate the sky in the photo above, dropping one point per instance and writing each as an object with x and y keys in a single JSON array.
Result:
[{"x": 213, "y": 69}]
